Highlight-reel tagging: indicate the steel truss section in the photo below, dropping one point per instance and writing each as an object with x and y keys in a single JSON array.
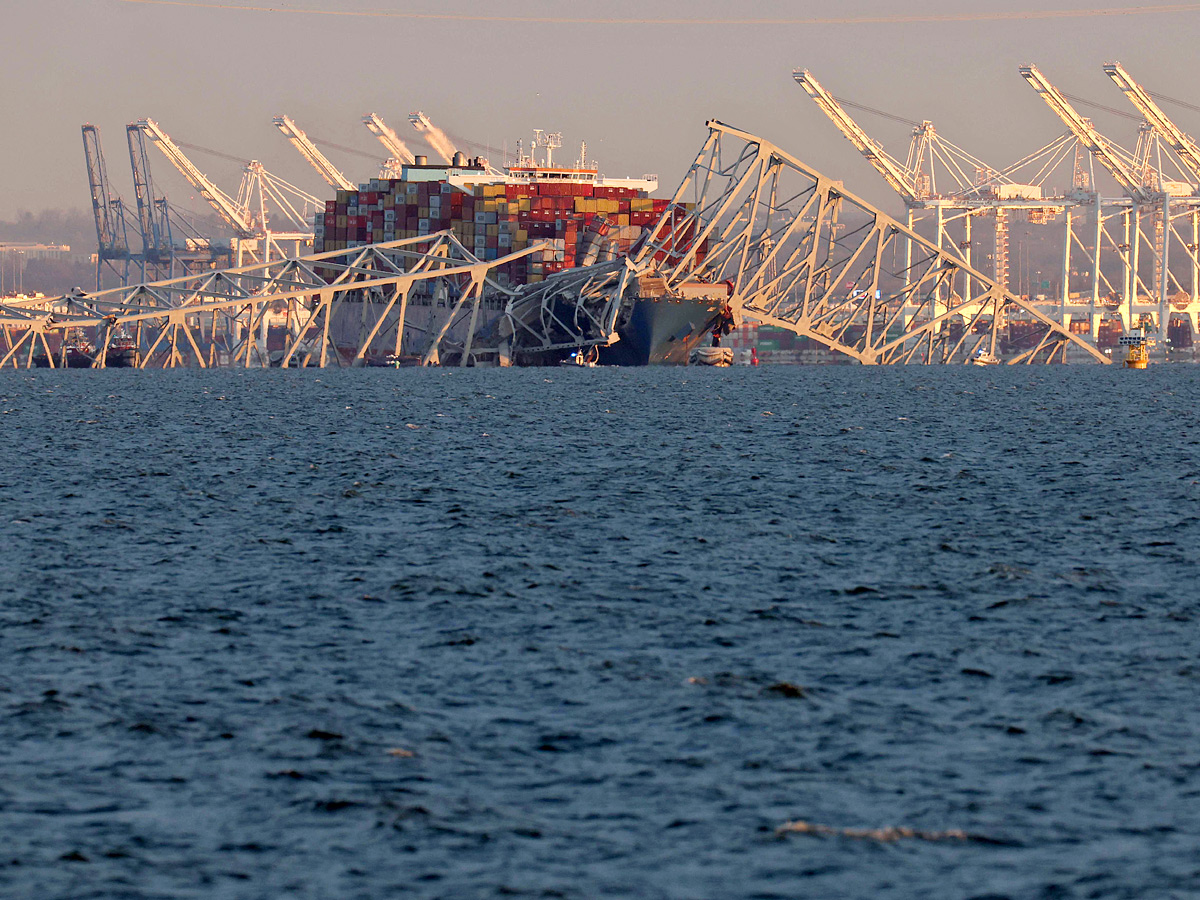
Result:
[
  {"x": 802, "y": 253},
  {"x": 342, "y": 308},
  {"x": 577, "y": 308},
  {"x": 799, "y": 252}
]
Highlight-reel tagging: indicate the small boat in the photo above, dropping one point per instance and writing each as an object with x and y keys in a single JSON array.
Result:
[
  {"x": 985, "y": 358},
  {"x": 712, "y": 356},
  {"x": 587, "y": 359},
  {"x": 396, "y": 361}
]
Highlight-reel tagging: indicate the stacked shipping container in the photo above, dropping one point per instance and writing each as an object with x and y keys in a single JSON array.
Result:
[{"x": 581, "y": 222}]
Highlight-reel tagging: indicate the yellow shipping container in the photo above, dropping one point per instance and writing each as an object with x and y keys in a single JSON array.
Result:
[
  {"x": 521, "y": 234},
  {"x": 523, "y": 204},
  {"x": 341, "y": 221},
  {"x": 378, "y": 235},
  {"x": 641, "y": 204},
  {"x": 493, "y": 230},
  {"x": 534, "y": 277},
  {"x": 623, "y": 218}
]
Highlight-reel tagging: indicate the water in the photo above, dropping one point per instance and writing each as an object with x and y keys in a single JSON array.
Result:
[{"x": 435, "y": 633}]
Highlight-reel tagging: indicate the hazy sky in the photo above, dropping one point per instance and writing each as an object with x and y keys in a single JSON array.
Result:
[{"x": 639, "y": 94}]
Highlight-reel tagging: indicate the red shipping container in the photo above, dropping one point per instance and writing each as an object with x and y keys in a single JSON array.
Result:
[{"x": 331, "y": 206}]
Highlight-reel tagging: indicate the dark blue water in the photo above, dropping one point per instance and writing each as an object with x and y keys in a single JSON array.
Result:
[{"x": 600, "y": 633}]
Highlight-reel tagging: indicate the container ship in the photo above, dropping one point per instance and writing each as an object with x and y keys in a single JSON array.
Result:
[{"x": 582, "y": 215}]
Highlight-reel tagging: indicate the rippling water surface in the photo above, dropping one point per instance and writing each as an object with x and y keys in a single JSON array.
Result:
[{"x": 576, "y": 634}]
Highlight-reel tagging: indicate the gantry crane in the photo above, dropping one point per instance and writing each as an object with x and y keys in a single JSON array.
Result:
[
  {"x": 1133, "y": 179},
  {"x": 437, "y": 139},
  {"x": 1183, "y": 145},
  {"x": 389, "y": 139},
  {"x": 223, "y": 205},
  {"x": 899, "y": 178},
  {"x": 152, "y": 214},
  {"x": 162, "y": 249},
  {"x": 1189, "y": 155},
  {"x": 327, "y": 170},
  {"x": 976, "y": 188},
  {"x": 112, "y": 234},
  {"x": 1102, "y": 150},
  {"x": 248, "y": 214}
]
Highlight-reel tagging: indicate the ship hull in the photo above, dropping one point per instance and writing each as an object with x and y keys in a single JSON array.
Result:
[{"x": 661, "y": 332}]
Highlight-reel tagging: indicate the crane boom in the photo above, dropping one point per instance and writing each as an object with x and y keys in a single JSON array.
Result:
[
  {"x": 315, "y": 157},
  {"x": 226, "y": 207},
  {"x": 1100, "y": 148},
  {"x": 437, "y": 138},
  {"x": 388, "y": 138},
  {"x": 891, "y": 170},
  {"x": 1183, "y": 145}
]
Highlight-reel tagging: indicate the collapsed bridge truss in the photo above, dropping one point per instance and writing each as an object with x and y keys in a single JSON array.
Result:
[
  {"x": 798, "y": 251},
  {"x": 790, "y": 246},
  {"x": 426, "y": 297},
  {"x": 804, "y": 254}
]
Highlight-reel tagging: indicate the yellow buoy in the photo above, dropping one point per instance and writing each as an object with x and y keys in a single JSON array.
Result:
[{"x": 1139, "y": 356}]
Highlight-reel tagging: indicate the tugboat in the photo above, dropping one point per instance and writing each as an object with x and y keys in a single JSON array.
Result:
[
  {"x": 77, "y": 351},
  {"x": 122, "y": 351}
]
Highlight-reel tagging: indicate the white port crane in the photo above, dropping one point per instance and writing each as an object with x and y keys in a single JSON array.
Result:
[
  {"x": 1143, "y": 186},
  {"x": 976, "y": 189},
  {"x": 298, "y": 139},
  {"x": 1183, "y": 145},
  {"x": 248, "y": 214},
  {"x": 1188, "y": 155},
  {"x": 437, "y": 138},
  {"x": 899, "y": 178},
  {"x": 1104, "y": 151},
  {"x": 389, "y": 139}
]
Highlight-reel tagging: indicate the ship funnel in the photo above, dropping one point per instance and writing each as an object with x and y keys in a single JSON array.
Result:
[
  {"x": 460, "y": 159},
  {"x": 421, "y": 161}
]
